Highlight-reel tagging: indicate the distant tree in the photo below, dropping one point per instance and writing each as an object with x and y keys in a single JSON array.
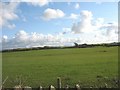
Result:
[
  {"x": 76, "y": 45},
  {"x": 84, "y": 45}
]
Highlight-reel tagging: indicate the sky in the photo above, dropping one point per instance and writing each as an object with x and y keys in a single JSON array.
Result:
[{"x": 44, "y": 23}]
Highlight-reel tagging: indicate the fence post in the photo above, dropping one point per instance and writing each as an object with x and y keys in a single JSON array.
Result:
[
  {"x": 27, "y": 88},
  {"x": 51, "y": 87},
  {"x": 18, "y": 87},
  {"x": 40, "y": 88},
  {"x": 106, "y": 86},
  {"x": 1, "y": 87},
  {"x": 59, "y": 83},
  {"x": 67, "y": 87},
  {"x": 77, "y": 87}
]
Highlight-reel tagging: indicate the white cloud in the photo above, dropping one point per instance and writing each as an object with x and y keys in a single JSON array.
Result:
[
  {"x": 33, "y": 2},
  {"x": 52, "y": 14},
  {"x": 37, "y": 2},
  {"x": 4, "y": 38},
  {"x": 8, "y": 11},
  {"x": 66, "y": 30},
  {"x": 99, "y": 22},
  {"x": 7, "y": 14},
  {"x": 21, "y": 36},
  {"x": 40, "y": 3},
  {"x": 11, "y": 26},
  {"x": 1, "y": 21},
  {"x": 85, "y": 24},
  {"x": 77, "y": 6},
  {"x": 111, "y": 28},
  {"x": 73, "y": 16},
  {"x": 95, "y": 30},
  {"x": 24, "y": 39}
]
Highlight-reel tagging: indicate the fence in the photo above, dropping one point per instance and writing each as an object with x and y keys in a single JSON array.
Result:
[
  {"x": 59, "y": 87},
  {"x": 51, "y": 87}
]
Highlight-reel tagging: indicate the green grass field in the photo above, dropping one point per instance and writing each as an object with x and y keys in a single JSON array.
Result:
[{"x": 75, "y": 65}]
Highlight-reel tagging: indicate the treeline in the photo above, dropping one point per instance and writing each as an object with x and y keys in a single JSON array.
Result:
[
  {"x": 95, "y": 45},
  {"x": 60, "y": 47},
  {"x": 34, "y": 48}
]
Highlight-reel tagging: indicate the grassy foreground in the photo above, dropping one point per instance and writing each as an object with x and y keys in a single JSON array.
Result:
[{"x": 76, "y": 65}]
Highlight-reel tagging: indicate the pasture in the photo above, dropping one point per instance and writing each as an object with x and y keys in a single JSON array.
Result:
[{"x": 75, "y": 65}]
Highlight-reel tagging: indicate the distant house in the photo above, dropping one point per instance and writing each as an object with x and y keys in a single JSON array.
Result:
[
  {"x": 114, "y": 44},
  {"x": 83, "y": 46}
]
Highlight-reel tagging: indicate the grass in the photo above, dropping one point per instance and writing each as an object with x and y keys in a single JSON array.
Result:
[{"x": 78, "y": 65}]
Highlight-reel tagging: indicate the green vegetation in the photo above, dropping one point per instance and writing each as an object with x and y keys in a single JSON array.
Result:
[{"x": 75, "y": 65}]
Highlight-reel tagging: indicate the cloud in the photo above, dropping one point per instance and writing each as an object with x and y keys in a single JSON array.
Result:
[
  {"x": 77, "y": 6},
  {"x": 8, "y": 11},
  {"x": 21, "y": 36},
  {"x": 66, "y": 30},
  {"x": 24, "y": 39},
  {"x": 85, "y": 24},
  {"x": 4, "y": 38},
  {"x": 106, "y": 34},
  {"x": 111, "y": 28},
  {"x": 7, "y": 14},
  {"x": 73, "y": 16},
  {"x": 33, "y": 2},
  {"x": 98, "y": 22},
  {"x": 39, "y": 2},
  {"x": 11, "y": 26},
  {"x": 95, "y": 30},
  {"x": 53, "y": 14}
]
